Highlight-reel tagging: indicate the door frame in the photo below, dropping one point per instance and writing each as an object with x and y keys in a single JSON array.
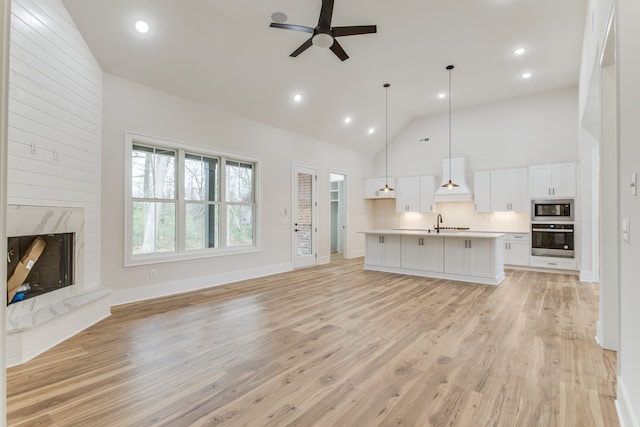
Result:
[
  {"x": 295, "y": 168},
  {"x": 343, "y": 211}
]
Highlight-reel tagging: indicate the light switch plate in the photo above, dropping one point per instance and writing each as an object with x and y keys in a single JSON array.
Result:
[
  {"x": 626, "y": 232},
  {"x": 634, "y": 184}
]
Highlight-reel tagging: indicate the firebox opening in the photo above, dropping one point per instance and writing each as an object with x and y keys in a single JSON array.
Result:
[{"x": 38, "y": 264}]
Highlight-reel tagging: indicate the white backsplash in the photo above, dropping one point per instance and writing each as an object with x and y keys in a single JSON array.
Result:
[{"x": 454, "y": 214}]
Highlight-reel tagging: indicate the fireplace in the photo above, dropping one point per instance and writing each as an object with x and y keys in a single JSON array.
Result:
[
  {"x": 60, "y": 301},
  {"x": 38, "y": 264}
]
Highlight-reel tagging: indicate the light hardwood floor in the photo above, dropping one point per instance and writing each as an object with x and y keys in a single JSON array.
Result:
[{"x": 333, "y": 345}]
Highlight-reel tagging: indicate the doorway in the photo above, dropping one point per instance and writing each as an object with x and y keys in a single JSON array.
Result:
[
  {"x": 304, "y": 216},
  {"x": 338, "y": 215}
]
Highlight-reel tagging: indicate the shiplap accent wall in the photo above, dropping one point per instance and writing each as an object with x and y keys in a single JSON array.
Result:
[{"x": 55, "y": 107}]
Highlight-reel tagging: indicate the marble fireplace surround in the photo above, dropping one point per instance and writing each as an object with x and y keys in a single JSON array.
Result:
[{"x": 41, "y": 322}]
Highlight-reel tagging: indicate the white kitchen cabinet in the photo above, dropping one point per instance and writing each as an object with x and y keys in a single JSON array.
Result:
[
  {"x": 557, "y": 180},
  {"x": 467, "y": 257},
  {"x": 482, "y": 191},
  {"x": 517, "y": 249},
  {"x": 408, "y": 194},
  {"x": 554, "y": 263},
  {"x": 423, "y": 253},
  {"x": 383, "y": 250},
  {"x": 427, "y": 190},
  {"x": 415, "y": 194},
  {"x": 509, "y": 190},
  {"x": 372, "y": 188},
  {"x": 471, "y": 257}
]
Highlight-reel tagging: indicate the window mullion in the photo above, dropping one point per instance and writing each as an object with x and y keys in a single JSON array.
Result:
[
  {"x": 181, "y": 214},
  {"x": 222, "y": 221}
]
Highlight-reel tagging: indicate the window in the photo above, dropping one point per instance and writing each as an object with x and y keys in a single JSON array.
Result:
[{"x": 186, "y": 204}]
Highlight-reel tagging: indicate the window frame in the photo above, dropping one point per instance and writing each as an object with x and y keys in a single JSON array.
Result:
[{"x": 181, "y": 253}]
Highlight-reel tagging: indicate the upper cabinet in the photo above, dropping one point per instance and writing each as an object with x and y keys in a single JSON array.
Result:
[
  {"x": 556, "y": 180},
  {"x": 509, "y": 190},
  {"x": 415, "y": 194},
  {"x": 373, "y": 186},
  {"x": 501, "y": 191},
  {"x": 482, "y": 191}
]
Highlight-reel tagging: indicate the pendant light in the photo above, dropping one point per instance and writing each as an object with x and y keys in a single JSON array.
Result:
[
  {"x": 386, "y": 187},
  {"x": 450, "y": 184}
]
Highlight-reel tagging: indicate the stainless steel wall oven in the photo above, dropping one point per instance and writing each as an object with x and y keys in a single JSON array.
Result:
[{"x": 552, "y": 240}]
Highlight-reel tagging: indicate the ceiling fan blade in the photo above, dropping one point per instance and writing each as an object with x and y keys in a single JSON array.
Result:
[
  {"x": 339, "y": 51},
  {"x": 353, "y": 30},
  {"x": 292, "y": 27},
  {"x": 304, "y": 46},
  {"x": 326, "y": 13}
]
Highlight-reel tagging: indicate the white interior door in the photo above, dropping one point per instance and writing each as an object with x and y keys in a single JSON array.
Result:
[{"x": 304, "y": 216}]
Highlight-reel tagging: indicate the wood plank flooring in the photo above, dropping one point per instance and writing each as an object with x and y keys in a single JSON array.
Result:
[{"x": 333, "y": 346}]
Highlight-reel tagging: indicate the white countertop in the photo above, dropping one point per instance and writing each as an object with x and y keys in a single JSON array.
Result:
[{"x": 432, "y": 233}]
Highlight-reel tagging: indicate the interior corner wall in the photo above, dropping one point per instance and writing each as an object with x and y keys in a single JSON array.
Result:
[
  {"x": 130, "y": 106},
  {"x": 55, "y": 98},
  {"x": 5, "y": 13},
  {"x": 516, "y": 132}
]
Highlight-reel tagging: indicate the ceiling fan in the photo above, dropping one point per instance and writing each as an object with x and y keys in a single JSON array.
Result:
[{"x": 324, "y": 35}]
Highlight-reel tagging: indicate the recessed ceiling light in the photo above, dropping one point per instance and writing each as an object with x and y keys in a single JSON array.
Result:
[
  {"x": 347, "y": 120},
  {"x": 142, "y": 27},
  {"x": 519, "y": 51},
  {"x": 297, "y": 97},
  {"x": 442, "y": 95},
  {"x": 526, "y": 75},
  {"x": 371, "y": 131}
]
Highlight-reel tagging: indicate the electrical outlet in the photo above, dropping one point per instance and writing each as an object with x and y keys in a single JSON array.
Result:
[
  {"x": 33, "y": 148},
  {"x": 153, "y": 273}
]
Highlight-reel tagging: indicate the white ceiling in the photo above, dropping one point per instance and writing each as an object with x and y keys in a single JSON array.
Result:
[{"x": 223, "y": 53}]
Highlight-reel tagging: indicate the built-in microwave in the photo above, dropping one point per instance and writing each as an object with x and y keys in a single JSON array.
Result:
[{"x": 552, "y": 210}]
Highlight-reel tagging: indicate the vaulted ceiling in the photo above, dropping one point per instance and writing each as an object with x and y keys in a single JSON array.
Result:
[{"x": 223, "y": 54}]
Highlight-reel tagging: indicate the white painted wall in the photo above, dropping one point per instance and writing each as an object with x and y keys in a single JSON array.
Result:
[
  {"x": 129, "y": 106},
  {"x": 5, "y": 13},
  {"x": 517, "y": 132},
  {"x": 627, "y": 79},
  {"x": 55, "y": 99},
  {"x": 628, "y": 66}
]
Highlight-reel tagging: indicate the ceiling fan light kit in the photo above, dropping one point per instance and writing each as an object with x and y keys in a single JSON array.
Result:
[{"x": 324, "y": 35}]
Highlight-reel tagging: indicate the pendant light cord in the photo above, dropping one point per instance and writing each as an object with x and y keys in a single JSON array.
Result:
[
  {"x": 450, "y": 67},
  {"x": 386, "y": 133}
]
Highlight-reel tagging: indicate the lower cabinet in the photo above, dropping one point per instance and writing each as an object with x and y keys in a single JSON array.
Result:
[
  {"x": 555, "y": 263},
  {"x": 383, "y": 250},
  {"x": 423, "y": 253},
  {"x": 471, "y": 257},
  {"x": 517, "y": 249}
]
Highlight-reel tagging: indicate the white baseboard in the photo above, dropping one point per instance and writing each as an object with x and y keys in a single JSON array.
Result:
[
  {"x": 355, "y": 254},
  {"x": 193, "y": 284},
  {"x": 624, "y": 407},
  {"x": 324, "y": 260},
  {"x": 587, "y": 276}
]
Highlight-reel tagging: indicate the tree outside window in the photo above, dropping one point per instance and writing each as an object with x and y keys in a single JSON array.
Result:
[{"x": 182, "y": 212}]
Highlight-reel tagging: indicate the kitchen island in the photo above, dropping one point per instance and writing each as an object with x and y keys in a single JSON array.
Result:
[{"x": 467, "y": 256}]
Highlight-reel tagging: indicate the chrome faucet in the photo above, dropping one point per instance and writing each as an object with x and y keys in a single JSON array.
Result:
[{"x": 438, "y": 222}]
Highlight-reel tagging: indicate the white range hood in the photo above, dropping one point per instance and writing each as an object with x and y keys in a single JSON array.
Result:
[{"x": 458, "y": 175}]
